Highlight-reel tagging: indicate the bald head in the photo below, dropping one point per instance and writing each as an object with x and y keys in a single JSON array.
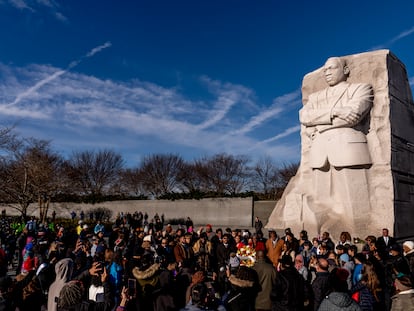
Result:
[
  {"x": 260, "y": 255},
  {"x": 323, "y": 264}
]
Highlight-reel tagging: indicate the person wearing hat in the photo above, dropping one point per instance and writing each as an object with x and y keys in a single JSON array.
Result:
[
  {"x": 398, "y": 261},
  {"x": 83, "y": 234},
  {"x": 395, "y": 265},
  {"x": 338, "y": 297},
  {"x": 346, "y": 263},
  {"x": 404, "y": 299},
  {"x": 408, "y": 247},
  {"x": 99, "y": 227},
  {"x": 288, "y": 292}
]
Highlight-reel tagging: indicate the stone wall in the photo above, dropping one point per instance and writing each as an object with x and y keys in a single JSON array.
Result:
[{"x": 232, "y": 212}]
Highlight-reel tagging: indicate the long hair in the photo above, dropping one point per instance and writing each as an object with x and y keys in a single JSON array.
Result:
[{"x": 370, "y": 279}]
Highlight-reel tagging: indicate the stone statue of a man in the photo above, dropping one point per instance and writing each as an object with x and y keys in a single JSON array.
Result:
[
  {"x": 331, "y": 117},
  {"x": 339, "y": 154}
]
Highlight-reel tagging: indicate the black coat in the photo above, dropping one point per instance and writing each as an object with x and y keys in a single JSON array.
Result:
[
  {"x": 288, "y": 292},
  {"x": 320, "y": 286},
  {"x": 223, "y": 254}
]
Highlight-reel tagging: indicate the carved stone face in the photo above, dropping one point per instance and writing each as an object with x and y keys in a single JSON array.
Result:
[{"x": 334, "y": 71}]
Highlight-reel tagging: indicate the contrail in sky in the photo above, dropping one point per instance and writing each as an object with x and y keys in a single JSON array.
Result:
[
  {"x": 393, "y": 40},
  {"x": 57, "y": 74}
]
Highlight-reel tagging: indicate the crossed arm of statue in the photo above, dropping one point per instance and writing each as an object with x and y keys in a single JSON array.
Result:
[{"x": 347, "y": 111}]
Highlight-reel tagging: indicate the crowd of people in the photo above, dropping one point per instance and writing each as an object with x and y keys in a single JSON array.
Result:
[{"x": 135, "y": 264}]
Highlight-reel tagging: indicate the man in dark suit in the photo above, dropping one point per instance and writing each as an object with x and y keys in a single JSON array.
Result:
[{"x": 384, "y": 242}]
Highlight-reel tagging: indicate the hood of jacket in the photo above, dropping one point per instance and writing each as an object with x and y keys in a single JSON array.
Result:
[
  {"x": 339, "y": 299},
  {"x": 147, "y": 273},
  {"x": 63, "y": 269},
  {"x": 239, "y": 282}
]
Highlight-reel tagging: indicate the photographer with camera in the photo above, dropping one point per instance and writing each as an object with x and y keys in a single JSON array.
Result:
[{"x": 203, "y": 298}]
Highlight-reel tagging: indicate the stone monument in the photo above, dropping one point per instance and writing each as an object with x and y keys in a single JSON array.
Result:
[{"x": 357, "y": 159}]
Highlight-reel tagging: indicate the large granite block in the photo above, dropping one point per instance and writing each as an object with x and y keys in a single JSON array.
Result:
[{"x": 381, "y": 193}]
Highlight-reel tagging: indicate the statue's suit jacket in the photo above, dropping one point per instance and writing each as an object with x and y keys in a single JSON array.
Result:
[{"x": 333, "y": 139}]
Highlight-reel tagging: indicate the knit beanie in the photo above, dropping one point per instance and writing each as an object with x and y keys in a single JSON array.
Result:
[
  {"x": 409, "y": 244},
  {"x": 403, "y": 283}
]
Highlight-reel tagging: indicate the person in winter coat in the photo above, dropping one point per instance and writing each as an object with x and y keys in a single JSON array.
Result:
[
  {"x": 203, "y": 251},
  {"x": 408, "y": 247},
  {"x": 288, "y": 291},
  {"x": 244, "y": 286},
  {"x": 367, "y": 292},
  {"x": 147, "y": 276},
  {"x": 63, "y": 269},
  {"x": 338, "y": 298},
  {"x": 404, "y": 299},
  {"x": 72, "y": 293},
  {"x": 200, "y": 300},
  {"x": 321, "y": 284},
  {"x": 267, "y": 276}
]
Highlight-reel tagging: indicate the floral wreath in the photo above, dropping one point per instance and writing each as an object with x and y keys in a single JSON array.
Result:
[{"x": 247, "y": 256}]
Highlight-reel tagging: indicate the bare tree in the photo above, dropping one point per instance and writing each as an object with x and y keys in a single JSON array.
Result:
[
  {"x": 8, "y": 138},
  {"x": 287, "y": 172},
  {"x": 190, "y": 178},
  {"x": 131, "y": 182},
  {"x": 223, "y": 173},
  {"x": 160, "y": 173},
  {"x": 30, "y": 172},
  {"x": 45, "y": 170},
  {"x": 266, "y": 178},
  {"x": 94, "y": 173}
]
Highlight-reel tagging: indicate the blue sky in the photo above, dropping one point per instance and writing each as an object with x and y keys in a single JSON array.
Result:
[{"x": 192, "y": 78}]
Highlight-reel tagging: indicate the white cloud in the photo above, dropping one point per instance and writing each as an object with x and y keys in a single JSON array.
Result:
[
  {"x": 285, "y": 133},
  {"x": 79, "y": 110},
  {"x": 98, "y": 49},
  {"x": 21, "y": 5},
  {"x": 31, "y": 90},
  {"x": 37, "y": 6},
  {"x": 280, "y": 104},
  {"x": 60, "y": 17},
  {"x": 228, "y": 95},
  {"x": 398, "y": 37},
  {"x": 411, "y": 81}
]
